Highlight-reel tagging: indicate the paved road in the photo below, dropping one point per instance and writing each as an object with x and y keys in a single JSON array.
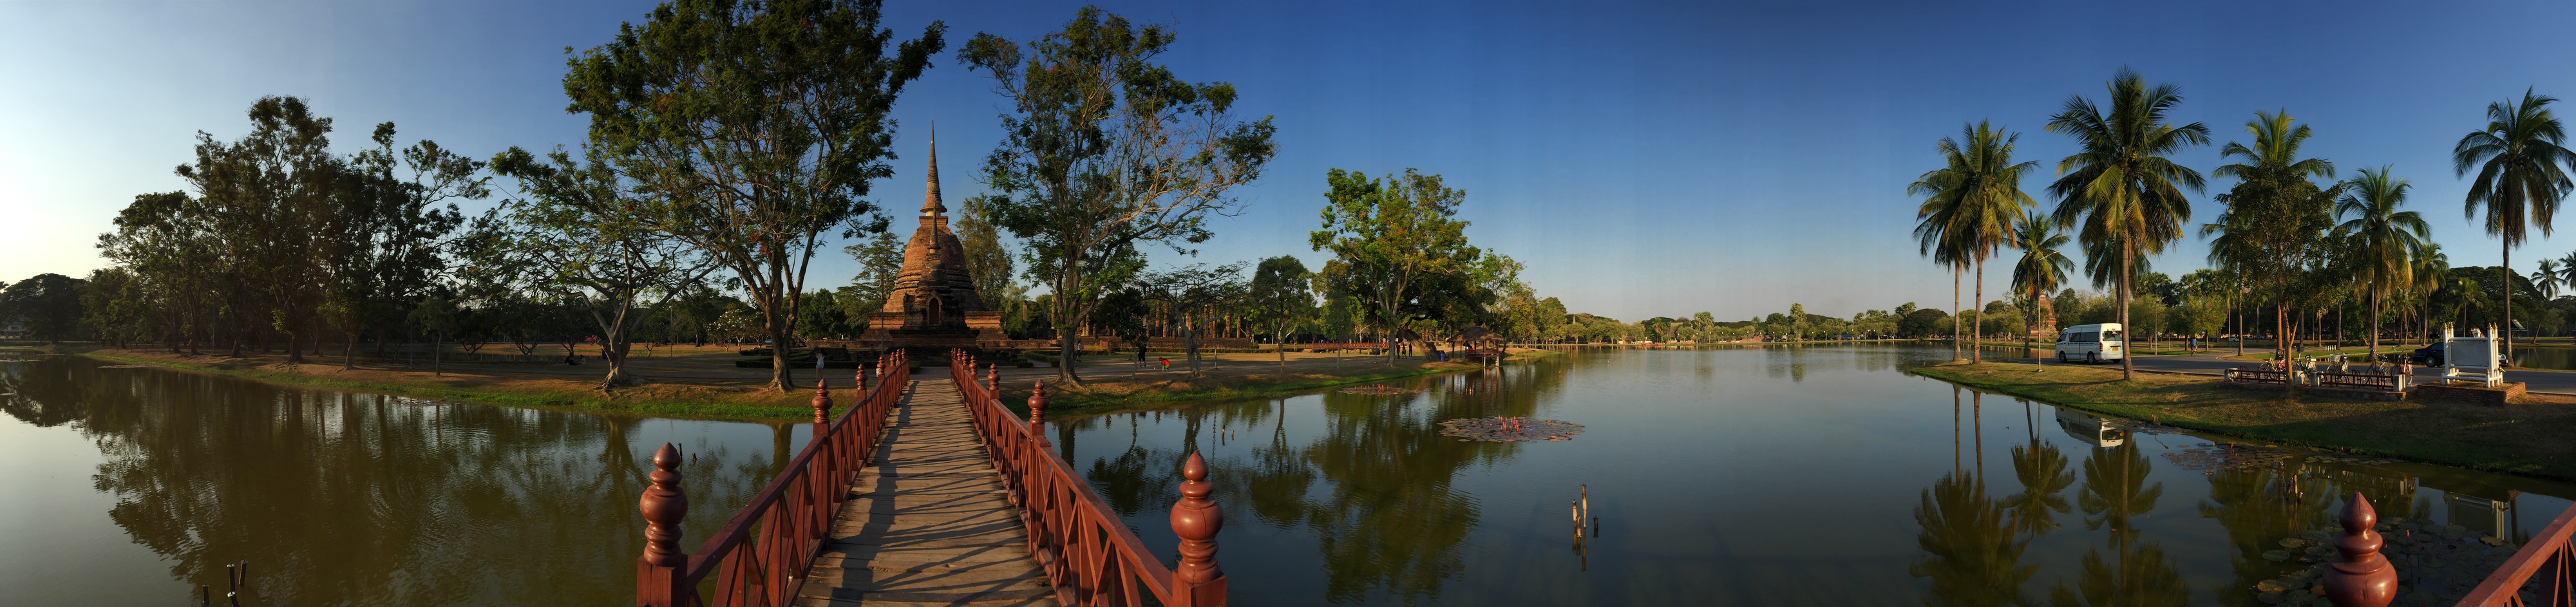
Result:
[{"x": 2562, "y": 382}]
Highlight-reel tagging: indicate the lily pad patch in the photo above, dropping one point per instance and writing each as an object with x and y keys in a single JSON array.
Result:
[{"x": 1509, "y": 429}]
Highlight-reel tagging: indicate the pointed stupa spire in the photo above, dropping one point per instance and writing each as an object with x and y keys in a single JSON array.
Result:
[{"x": 930, "y": 204}]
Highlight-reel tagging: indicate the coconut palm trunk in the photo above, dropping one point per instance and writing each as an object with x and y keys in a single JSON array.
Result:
[
  {"x": 1977, "y": 333},
  {"x": 1956, "y": 273},
  {"x": 2507, "y": 329},
  {"x": 2128, "y": 251}
]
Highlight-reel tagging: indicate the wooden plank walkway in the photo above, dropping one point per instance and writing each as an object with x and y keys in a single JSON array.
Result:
[{"x": 928, "y": 524}]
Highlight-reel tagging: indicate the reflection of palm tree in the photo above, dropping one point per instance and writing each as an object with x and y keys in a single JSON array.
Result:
[
  {"x": 2043, "y": 473},
  {"x": 1969, "y": 548},
  {"x": 2140, "y": 578},
  {"x": 2114, "y": 493},
  {"x": 2115, "y": 490}
]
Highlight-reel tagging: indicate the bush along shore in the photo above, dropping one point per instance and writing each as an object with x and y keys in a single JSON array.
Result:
[
  {"x": 2527, "y": 439},
  {"x": 465, "y": 384},
  {"x": 1109, "y": 389},
  {"x": 708, "y": 386}
]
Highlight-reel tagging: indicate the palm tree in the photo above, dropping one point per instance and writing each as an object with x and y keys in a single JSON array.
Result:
[
  {"x": 2546, "y": 279},
  {"x": 2275, "y": 217},
  {"x": 2042, "y": 267},
  {"x": 2567, "y": 270},
  {"x": 2519, "y": 181},
  {"x": 2385, "y": 241},
  {"x": 2432, "y": 271},
  {"x": 1969, "y": 205},
  {"x": 2121, "y": 188}
]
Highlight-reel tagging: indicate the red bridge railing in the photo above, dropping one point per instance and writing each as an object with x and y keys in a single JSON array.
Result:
[
  {"x": 2548, "y": 559},
  {"x": 1088, "y": 553},
  {"x": 760, "y": 556}
]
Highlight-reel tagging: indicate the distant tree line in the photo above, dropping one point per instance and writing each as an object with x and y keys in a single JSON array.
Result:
[{"x": 714, "y": 172}]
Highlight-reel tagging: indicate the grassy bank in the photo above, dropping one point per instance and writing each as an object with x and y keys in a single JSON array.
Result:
[
  {"x": 1107, "y": 390},
  {"x": 2521, "y": 439},
  {"x": 468, "y": 386},
  {"x": 709, "y": 386}
]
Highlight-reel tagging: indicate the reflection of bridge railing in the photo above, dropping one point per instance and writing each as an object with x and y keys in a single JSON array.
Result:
[
  {"x": 2548, "y": 559},
  {"x": 760, "y": 556},
  {"x": 1088, "y": 553}
]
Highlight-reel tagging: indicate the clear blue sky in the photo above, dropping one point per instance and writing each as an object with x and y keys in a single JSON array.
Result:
[{"x": 1641, "y": 159}]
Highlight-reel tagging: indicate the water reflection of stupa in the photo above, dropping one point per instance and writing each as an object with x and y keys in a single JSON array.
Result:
[
  {"x": 934, "y": 303},
  {"x": 2483, "y": 508},
  {"x": 2092, "y": 430}
]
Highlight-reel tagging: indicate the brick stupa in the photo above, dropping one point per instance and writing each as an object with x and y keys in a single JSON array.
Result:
[{"x": 934, "y": 303}]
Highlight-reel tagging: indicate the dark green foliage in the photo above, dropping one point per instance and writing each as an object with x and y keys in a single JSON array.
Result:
[
  {"x": 49, "y": 303},
  {"x": 1103, "y": 150},
  {"x": 762, "y": 124}
]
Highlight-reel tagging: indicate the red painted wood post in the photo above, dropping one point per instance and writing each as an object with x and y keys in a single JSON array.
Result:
[
  {"x": 1197, "y": 582},
  {"x": 661, "y": 575},
  {"x": 2360, "y": 577},
  {"x": 822, "y": 404},
  {"x": 860, "y": 378},
  {"x": 1037, "y": 416},
  {"x": 993, "y": 381}
]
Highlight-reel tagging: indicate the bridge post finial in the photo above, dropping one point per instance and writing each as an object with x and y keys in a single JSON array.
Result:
[
  {"x": 2359, "y": 577},
  {"x": 822, "y": 400},
  {"x": 993, "y": 381},
  {"x": 661, "y": 575},
  {"x": 860, "y": 378},
  {"x": 1197, "y": 581},
  {"x": 1037, "y": 415}
]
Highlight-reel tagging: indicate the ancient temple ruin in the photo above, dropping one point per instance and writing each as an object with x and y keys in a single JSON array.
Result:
[{"x": 934, "y": 303}]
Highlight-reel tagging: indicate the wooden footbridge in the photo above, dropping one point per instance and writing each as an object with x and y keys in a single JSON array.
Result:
[{"x": 925, "y": 492}]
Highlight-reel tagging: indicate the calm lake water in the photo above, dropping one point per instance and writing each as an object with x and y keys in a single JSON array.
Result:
[{"x": 1745, "y": 476}]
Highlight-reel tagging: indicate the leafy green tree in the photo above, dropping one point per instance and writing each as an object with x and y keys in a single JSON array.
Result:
[
  {"x": 2385, "y": 241},
  {"x": 583, "y": 235},
  {"x": 436, "y": 316},
  {"x": 763, "y": 122},
  {"x": 2042, "y": 267},
  {"x": 988, "y": 262},
  {"x": 1280, "y": 298},
  {"x": 2276, "y": 222},
  {"x": 880, "y": 260},
  {"x": 1191, "y": 290},
  {"x": 113, "y": 306},
  {"x": 50, "y": 303},
  {"x": 2520, "y": 181},
  {"x": 1390, "y": 237},
  {"x": 390, "y": 226},
  {"x": 2121, "y": 188},
  {"x": 268, "y": 200},
  {"x": 1970, "y": 204},
  {"x": 1106, "y": 150}
]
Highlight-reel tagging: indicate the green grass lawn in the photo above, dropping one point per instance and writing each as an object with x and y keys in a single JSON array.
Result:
[{"x": 2523, "y": 439}]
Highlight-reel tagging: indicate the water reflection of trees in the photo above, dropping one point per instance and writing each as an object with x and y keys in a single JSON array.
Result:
[
  {"x": 1389, "y": 517},
  {"x": 339, "y": 497}
]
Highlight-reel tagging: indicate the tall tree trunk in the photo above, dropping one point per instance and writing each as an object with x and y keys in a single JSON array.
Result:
[
  {"x": 437, "y": 347},
  {"x": 2374, "y": 328},
  {"x": 2127, "y": 370},
  {"x": 349, "y": 352},
  {"x": 1977, "y": 328},
  {"x": 1956, "y": 273},
  {"x": 2507, "y": 329}
]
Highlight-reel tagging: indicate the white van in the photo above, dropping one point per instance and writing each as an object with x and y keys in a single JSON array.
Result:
[{"x": 2091, "y": 343}]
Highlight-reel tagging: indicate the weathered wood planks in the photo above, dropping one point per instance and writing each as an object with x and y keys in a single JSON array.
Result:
[{"x": 927, "y": 525}]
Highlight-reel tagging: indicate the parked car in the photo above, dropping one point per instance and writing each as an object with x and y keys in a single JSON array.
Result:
[
  {"x": 2427, "y": 356},
  {"x": 2090, "y": 343}
]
